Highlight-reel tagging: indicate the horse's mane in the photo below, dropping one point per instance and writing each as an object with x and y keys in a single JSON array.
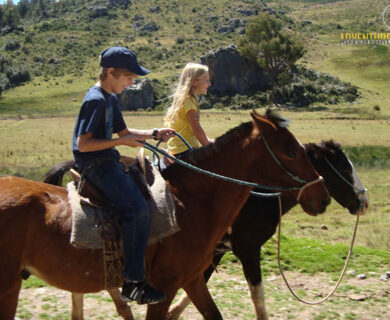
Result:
[
  {"x": 326, "y": 146},
  {"x": 232, "y": 136}
]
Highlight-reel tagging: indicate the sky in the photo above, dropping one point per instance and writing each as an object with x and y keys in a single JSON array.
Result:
[{"x": 5, "y": 1}]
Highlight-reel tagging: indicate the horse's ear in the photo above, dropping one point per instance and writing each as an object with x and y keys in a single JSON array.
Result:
[
  {"x": 313, "y": 150},
  {"x": 261, "y": 122},
  {"x": 254, "y": 114}
]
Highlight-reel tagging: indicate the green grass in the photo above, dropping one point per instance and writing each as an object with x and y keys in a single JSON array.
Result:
[
  {"x": 33, "y": 282},
  {"x": 369, "y": 156},
  {"x": 310, "y": 256}
]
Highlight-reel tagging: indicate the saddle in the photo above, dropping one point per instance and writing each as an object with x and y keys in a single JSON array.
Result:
[
  {"x": 91, "y": 195},
  {"x": 94, "y": 220}
]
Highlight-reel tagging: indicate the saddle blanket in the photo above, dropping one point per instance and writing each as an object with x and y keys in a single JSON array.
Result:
[{"x": 88, "y": 221}]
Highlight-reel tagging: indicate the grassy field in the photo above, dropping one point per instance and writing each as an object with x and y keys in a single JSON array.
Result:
[
  {"x": 31, "y": 146},
  {"x": 36, "y": 123}
]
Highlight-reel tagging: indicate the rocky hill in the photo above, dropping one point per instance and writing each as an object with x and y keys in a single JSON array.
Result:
[{"x": 48, "y": 40}]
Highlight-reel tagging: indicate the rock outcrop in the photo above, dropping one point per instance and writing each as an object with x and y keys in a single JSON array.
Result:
[
  {"x": 232, "y": 73},
  {"x": 138, "y": 96}
]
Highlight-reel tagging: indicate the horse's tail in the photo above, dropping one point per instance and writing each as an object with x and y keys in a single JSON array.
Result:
[{"x": 56, "y": 174}]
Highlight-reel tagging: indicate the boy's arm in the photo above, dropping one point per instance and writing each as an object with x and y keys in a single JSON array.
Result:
[
  {"x": 162, "y": 133},
  {"x": 199, "y": 133},
  {"x": 127, "y": 137},
  {"x": 86, "y": 143}
]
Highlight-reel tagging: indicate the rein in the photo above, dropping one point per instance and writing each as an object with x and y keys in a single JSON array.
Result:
[
  {"x": 156, "y": 150},
  {"x": 342, "y": 272},
  {"x": 361, "y": 191}
]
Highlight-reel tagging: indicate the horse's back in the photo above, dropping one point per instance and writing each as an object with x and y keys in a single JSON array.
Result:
[
  {"x": 22, "y": 197},
  {"x": 17, "y": 187}
]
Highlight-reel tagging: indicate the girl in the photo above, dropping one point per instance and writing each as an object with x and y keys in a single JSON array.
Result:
[{"x": 183, "y": 115}]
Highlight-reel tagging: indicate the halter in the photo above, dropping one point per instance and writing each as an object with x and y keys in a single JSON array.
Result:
[
  {"x": 361, "y": 191},
  {"x": 294, "y": 177}
]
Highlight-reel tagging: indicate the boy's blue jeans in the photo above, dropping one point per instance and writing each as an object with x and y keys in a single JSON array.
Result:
[{"x": 119, "y": 187}]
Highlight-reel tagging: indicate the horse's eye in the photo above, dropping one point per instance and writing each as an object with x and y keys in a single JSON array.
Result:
[{"x": 292, "y": 155}]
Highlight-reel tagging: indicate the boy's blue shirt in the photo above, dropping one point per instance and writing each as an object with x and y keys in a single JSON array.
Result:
[{"x": 92, "y": 118}]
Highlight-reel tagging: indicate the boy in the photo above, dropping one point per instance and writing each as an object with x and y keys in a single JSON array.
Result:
[{"x": 97, "y": 159}]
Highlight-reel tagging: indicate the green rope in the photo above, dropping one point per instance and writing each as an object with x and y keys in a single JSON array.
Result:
[{"x": 187, "y": 165}]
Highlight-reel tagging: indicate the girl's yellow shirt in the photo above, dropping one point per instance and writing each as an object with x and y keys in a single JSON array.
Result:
[{"x": 183, "y": 127}]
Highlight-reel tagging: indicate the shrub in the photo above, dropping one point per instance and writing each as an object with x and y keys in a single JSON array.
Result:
[
  {"x": 17, "y": 75},
  {"x": 11, "y": 44},
  {"x": 28, "y": 38},
  {"x": 4, "y": 82}
]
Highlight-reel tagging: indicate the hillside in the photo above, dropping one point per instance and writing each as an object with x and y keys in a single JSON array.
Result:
[{"x": 58, "y": 45}]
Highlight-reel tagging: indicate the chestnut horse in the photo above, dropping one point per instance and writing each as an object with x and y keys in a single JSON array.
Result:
[
  {"x": 255, "y": 224},
  {"x": 35, "y": 219},
  {"x": 259, "y": 217}
]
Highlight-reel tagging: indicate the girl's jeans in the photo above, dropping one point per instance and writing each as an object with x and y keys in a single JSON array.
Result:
[{"x": 119, "y": 187}]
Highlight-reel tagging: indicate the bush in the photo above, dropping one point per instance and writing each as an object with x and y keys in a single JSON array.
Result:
[
  {"x": 11, "y": 44},
  {"x": 4, "y": 82},
  {"x": 18, "y": 75},
  {"x": 28, "y": 38}
]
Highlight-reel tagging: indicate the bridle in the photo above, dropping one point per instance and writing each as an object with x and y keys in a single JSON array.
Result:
[
  {"x": 357, "y": 190},
  {"x": 305, "y": 183}
]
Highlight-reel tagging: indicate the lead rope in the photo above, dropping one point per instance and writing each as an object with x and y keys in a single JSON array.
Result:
[{"x": 342, "y": 273}]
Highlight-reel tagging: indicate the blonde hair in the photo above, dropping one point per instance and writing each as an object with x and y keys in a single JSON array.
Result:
[
  {"x": 117, "y": 72},
  {"x": 191, "y": 72}
]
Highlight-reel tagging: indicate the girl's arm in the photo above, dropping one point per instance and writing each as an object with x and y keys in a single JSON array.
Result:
[{"x": 193, "y": 119}]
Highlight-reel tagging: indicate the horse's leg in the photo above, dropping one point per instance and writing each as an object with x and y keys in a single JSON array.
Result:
[
  {"x": 177, "y": 309},
  {"x": 13, "y": 228},
  {"x": 121, "y": 306},
  {"x": 9, "y": 300},
  {"x": 77, "y": 306},
  {"x": 250, "y": 260},
  {"x": 158, "y": 311},
  {"x": 200, "y": 296}
]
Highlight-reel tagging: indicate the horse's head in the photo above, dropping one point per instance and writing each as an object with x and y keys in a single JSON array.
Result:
[
  {"x": 340, "y": 175},
  {"x": 286, "y": 164}
]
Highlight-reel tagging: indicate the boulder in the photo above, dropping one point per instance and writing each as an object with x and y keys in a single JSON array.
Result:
[
  {"x": 138, "y": 17},
  {"x": 248, "y": 11},
  {"x": 241, "y": 30},
  {"x": 232, "y": 73},
  {"x": 138, "y": 96},
  {"x": 234, "y": 22},
  {"x": 225, "y": 28},
  {"x": 212, "y": 18},
  {"x": 142, "y": 26},
  {"x": 155, "y": 9},
  {"x": 305, "y": 23},
  {"x": 123, "y": 4},
  {"x": 97, "y": 11}
]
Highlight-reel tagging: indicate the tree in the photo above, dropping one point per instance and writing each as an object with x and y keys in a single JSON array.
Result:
[{"x": 266, "y": 42}]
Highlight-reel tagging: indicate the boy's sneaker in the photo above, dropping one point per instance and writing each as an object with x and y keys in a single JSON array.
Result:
[{"x": 141, "y": 292}]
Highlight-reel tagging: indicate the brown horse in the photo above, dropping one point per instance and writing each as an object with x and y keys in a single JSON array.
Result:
[
  {"x": 35, "y": 219},
  {"x": 255, "y": 224}
]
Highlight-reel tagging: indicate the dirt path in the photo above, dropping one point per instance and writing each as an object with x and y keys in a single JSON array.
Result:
[{"x": 366, "y": 299}]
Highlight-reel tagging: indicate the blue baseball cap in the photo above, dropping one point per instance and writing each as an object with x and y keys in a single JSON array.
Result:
[{"x": 121, "y": 57}]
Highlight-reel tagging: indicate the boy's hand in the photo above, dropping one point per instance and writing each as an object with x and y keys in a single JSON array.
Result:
[
  {"x": 165, "y": 134},
  {"x": 131, "y": 141}
]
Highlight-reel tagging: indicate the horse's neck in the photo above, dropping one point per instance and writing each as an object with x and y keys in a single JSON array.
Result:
[{"x": 218, "y": 202}]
